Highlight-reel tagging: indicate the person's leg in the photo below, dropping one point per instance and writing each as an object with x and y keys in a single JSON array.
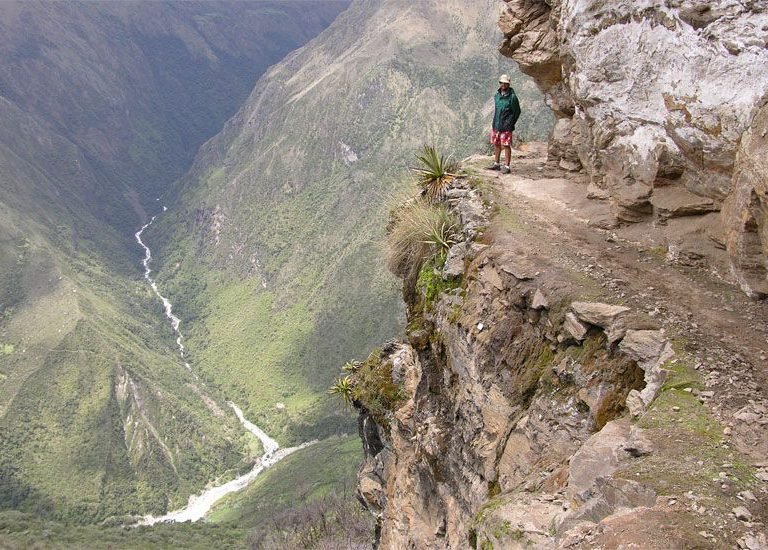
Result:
[
  {"x": 506, "y": 143},
  {"x": 496, "y": 151}
]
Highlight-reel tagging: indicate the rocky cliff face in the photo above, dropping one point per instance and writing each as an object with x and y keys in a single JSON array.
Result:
[
  {"x": 564, "y": 382},
  {"x": 663, "y": 105},
  {"x": 544, "y": 399}
]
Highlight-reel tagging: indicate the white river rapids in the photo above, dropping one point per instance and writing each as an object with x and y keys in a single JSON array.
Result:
[{"x": 199, "y": 505}]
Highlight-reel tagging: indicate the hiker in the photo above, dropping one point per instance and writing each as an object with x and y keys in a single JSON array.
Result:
[{"x": 504, "y": 118}]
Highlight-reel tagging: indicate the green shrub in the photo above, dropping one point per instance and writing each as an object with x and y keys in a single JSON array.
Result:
[
  {"x": 373, "y": 387},
  {"x": 430, "y": 284}
]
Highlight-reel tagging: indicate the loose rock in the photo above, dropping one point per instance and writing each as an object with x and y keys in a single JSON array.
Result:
[
  {"x": 742, "y": 513},
  {"x": 539, "y": 300},
  {"x": 575, "y": 328},
  {"x": 602, "y": 315}
]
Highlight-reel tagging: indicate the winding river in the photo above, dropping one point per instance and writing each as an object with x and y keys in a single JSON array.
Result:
[{"x": 199, "y": 505}]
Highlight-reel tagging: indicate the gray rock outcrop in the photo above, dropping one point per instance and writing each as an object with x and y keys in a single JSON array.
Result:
[
  {"x": 662, "y": 102},
  {"x": 529, "y": 407},
  {"x": 745, "y": 211},
  {"x": 477, "y": 415}
]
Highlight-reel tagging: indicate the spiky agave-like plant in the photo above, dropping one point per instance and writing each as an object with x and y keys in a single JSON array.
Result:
[
  {"x": 343, "y": 388},
  {"x": 351, "y": 366},
  {"x": 435, "y": 173}
]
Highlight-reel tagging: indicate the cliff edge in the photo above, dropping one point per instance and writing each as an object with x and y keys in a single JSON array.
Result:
[
  {"x": 585, "y": 365},
  {"x": 563, "y": 384}
]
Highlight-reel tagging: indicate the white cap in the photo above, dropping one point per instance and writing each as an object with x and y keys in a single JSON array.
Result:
[{"x": 504, "y": 79}]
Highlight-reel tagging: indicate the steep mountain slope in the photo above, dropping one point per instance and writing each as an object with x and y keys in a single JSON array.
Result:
[
  {"x": 271, "y": 251},
  {"x": 101, "y": 104},
  {"x": 139, "y": 85}
]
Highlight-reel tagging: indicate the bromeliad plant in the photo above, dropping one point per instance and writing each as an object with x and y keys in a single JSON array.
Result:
[
  {"x": 435, "y": 173},
  {"x": 351, "y": 366},
  {"x": 343, "y": 388},
  {"x": 371, "y": 385}
]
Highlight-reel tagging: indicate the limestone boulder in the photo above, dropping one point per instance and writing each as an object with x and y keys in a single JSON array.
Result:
[
  {"x": 653, "y": 98},
  {"x": 539, "y": 300},
  {"x": 676, "y": 201},
  {"x": 562, "y": 144},
  {"x": 370, "y": 490},
  {"x": 650, "y": 349},
  {"x": 530, "y": 39},
  {"x": 491, "y": 278},
  {"x": 472, "y": 214},
  {"x": 598, "y": 458},
  {"x": 599, "y": 314},
  {"x": 745, "y": 211},
  {"x": 574, "y": 327},
  {"x": 454, "y": 262},
  {"x": 610, "y": 495},
  {"x": 644, "y": 346}
]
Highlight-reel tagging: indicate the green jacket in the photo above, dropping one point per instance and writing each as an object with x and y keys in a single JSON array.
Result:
[{"x": 507, "y": 111}]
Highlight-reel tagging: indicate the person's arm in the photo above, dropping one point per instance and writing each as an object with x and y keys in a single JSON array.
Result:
[{"x": 515, "y": 109}]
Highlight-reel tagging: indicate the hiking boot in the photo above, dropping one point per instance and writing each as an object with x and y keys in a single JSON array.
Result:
[
  {"x": 494, "y": 166},
  {"x": 504, "y": 169}
]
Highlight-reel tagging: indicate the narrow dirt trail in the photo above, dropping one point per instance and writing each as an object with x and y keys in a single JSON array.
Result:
[{"x": 724, "y": 332}]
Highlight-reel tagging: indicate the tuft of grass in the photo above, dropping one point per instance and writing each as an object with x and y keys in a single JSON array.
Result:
[
  {"x": 435, "y": 173},
  {"x": 351, "y": 366},
  {"x": 419, "y": 232}
]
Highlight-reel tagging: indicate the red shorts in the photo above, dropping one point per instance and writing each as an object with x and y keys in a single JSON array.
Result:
[{"x": 501, "y": 138}]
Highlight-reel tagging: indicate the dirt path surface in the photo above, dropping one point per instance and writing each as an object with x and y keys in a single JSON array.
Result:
[{"x": 672, "y": 270}]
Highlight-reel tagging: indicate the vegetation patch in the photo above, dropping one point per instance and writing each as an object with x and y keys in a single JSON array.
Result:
[
  {"x": 680, "y": 371},
  {"x": 690, "y": 452},
  {"x": 331, "y": 521},
  {"x": 430, "y": 284},
  {"x": 589, "y": 348},
  {"x": 375, "y": 389},
  {"x": 493, "y": 504},
  {"x": 371, "y": 385},
  {"x": 419, "y": 232},
  {"x": 533, "y": 370},
  {"x": 23, "y": 530},
  {"x": 311, "y": 473},
  {"x": 305, "y": 501}
]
